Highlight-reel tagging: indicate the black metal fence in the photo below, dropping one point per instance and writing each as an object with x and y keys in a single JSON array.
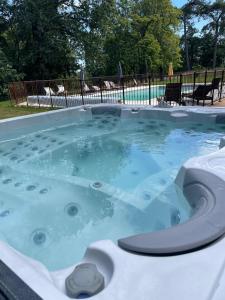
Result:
[{"x": 196, "y": 88}]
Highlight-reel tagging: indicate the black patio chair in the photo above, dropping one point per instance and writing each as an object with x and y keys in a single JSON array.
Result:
[
  {"x": 201, "y": 93},
  {"x": 173, "y": 94},
  {"x": 216, "y": 83}
]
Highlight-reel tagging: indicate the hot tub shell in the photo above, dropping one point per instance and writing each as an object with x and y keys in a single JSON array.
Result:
[{"x": 186, "y": 261}]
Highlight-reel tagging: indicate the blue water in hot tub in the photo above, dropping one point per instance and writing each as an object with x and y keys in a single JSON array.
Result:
[{"x": 48, "y": 209}]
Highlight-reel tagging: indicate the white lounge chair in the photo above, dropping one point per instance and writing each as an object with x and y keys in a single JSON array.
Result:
[
  {"x": 114, "y": 86},
  {"x": 86, "y": 88},
  {"x": 61, "y": 90},
  {"x": 107, "y": 85},
  {"x": 49, "y": 91},
  {"x": 95, "y": 88},
  {"x": 135, "y": 81}
]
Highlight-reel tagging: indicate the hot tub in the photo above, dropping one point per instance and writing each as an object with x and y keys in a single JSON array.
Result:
[{"x": 139, "y": 192}]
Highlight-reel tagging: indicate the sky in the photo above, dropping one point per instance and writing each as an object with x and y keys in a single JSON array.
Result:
[{"x": 179, "y": 3}]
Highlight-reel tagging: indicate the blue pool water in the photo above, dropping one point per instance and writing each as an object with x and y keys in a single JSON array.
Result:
[
  {"x": 143, "y": 94},
  {"x": 50, "y": 207}
]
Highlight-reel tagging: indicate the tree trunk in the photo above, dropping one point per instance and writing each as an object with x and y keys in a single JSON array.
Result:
[
  {"x": 215, "y": 45},
  {"x": 186, "y": 45}
]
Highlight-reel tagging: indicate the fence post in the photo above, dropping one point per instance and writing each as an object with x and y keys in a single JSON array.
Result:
[
  {"x": 37, "y": 93},
  {"x": 82, "y": 91},
  {"x": 181, "y": 82},
  {"x": 65, "y": 93},
  {"x": 221, "y": 86},
  {"x": 213, "y": 93},
  {"x": 206, "y": 74},
  {"x": 149, "y": 89},
  {"x": 193, "y": 98},
  {"x": 122, "y": 79},
  {"x": 50, "y": 94},
  {"x": 101, "y": 89},
  {"x": 152, "y": 78},
  {"x": 24, "y": 88},
  {"x": 10, "y": 94}
]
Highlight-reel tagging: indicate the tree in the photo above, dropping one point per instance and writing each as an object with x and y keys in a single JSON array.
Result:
[
  {"x": 38, "y": 39},
  {"x": 186, "y": 17},
  {"x": 215, "y": 12},
  {"x": 93, "y": 23},
  {"x": 7, "y": 74},
  {"x": 45, "y": 39},
  {"x": 4, "y": 21},
  {"x": 163, "y": 23},
  {"x": 190, "y": 11},
  {"x": 145, "y": 37}
]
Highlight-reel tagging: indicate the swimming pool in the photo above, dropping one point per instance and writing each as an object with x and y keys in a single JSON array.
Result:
[
  {"x": 103, "y": 177},
  {"x": 144, "y": 93}
]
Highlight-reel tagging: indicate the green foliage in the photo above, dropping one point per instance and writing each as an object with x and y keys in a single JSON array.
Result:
[
  {"x": 204, "y": 48},
  {"x": 42, "y": 49},
  {"x": 139, "y": 34},
  {"x": 45, "y": 39},
  {"x": 7, "y": 74}
]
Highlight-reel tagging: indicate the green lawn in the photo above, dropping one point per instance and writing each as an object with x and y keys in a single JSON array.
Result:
[{"x": 7, "y": 110}]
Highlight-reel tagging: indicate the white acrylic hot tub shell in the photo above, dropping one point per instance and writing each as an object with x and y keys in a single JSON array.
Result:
[{"x": 199, "y": 275}]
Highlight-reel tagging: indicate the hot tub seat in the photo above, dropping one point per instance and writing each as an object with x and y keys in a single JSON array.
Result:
[{"x": 205, "y": 193}]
